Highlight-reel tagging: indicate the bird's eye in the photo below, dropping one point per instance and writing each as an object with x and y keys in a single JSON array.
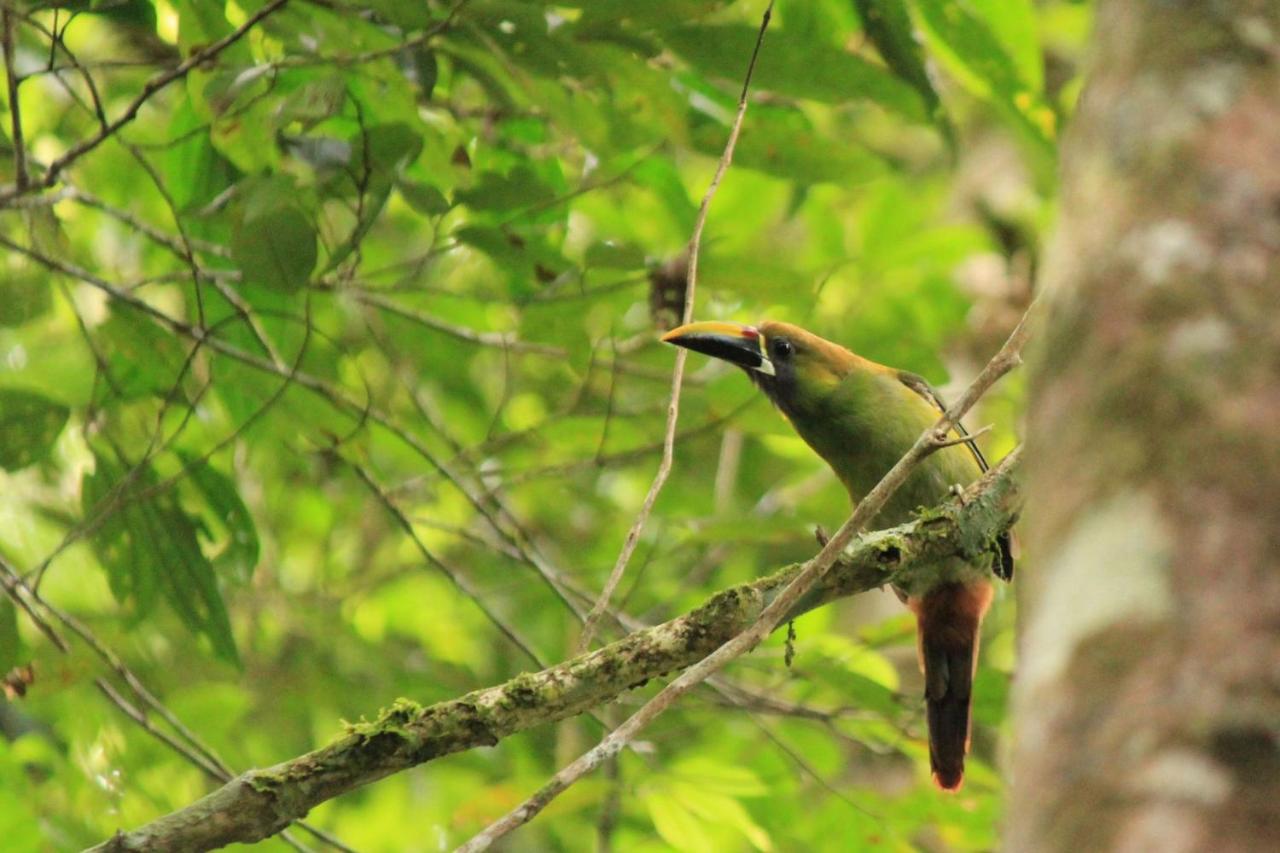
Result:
[{"x": 782, "y": 348}]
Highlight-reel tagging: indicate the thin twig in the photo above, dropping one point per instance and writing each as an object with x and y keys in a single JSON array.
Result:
[
  {"x": 515, "y": 476},
  {"x": 156, "y": 235},
  {"x": 962, "y": 439},
  {"x": 150, "y": 88},
  {"x": 18, "y": 592},
  {"x": 216, "y": 771},
  {"x": 1005, "y": 360},
  {"x": 15, "y": 112},
  {"x": 462, "y": 584},
  {"x": 502, "y": 340},
  {"x": 677, "y": 374},
  {"x": 57, "y": 40},
  {"x": 811, "y": 771},
  {"x": 612, "y": 805}
]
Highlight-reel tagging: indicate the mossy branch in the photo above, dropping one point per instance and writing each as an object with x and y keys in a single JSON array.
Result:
[{"x": 260, "y": 803}]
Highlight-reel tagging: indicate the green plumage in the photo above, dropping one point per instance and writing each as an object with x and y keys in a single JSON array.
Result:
[
  {"x": 861, "y": 418},
  {"x": 864, "y": 425}
]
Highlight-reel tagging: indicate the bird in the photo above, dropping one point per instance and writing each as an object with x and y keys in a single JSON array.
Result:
[{"x": 861, "y": 417}]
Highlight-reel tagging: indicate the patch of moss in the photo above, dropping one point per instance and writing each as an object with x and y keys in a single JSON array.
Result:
[
  {"x": 394, "y": 718},
  {"x": 526, "y": 690}
]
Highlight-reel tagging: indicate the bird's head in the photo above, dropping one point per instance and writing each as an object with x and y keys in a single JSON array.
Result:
[{"x": 796, "y": 368}]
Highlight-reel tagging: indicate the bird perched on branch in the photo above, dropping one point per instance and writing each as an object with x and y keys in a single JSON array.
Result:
[{"x": 861, "y": 417}]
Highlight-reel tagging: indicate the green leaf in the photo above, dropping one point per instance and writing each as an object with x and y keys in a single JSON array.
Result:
[
  {"x": 868, "y": 695},
  {"x": 423, "y": 198},
  {"x": 793, "y": 67},
  {"x": 46, "y": 231},
  {"x": 12, "y": 650},
  {"x": 611, "y": 255},
  {"x": 718, "y": 808},
  {"x": 375, "y": 199},
  {"x": 888, "y": 25},
  {"x": 659, "y": 176},
  {"x": 728, "y": 779},
  {"x": 527, "y": 258},
  {"x": 148, "y": 545},
  {"x": 131, "y": 572},
  {"x": 863, "y": 676},
  {"x": 1013, "y": 23},
  {"x": 195, "y": 170},
  {"x": 385, "y": 148},
  {"x": 781, "y": 142},
  {"x": 426, "y": 67},
  {"x": 676, "y": 824},
  {"x": 273, "y": 241},
  {"x": 142, "y": 358},
  {"x": 497, "y": 192},
  {"x": 407, "y": 14},
  {"x": 29, "y": 425},
  {"x": 224, "y": 89},
  {"x": 314, "y": 101},
  {"x": 241, "y": 107},
  {"x": 27, "y": 293},
  {"x": 201, "y": 23},
  {"x": 377, "y": 156},
  {"x": 610, "y": 12},
  {"x": 238, "y": 554},
  {"x": 973, "y": 54}
]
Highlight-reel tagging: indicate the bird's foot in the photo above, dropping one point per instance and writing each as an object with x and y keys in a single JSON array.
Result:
[{"x": 821, "y": 536}]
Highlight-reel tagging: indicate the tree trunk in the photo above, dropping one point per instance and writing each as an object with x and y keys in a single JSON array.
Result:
[{"x": 1147, "y": 708}]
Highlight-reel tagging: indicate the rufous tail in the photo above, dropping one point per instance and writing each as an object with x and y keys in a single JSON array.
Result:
[{"x": 948, "y": 620}]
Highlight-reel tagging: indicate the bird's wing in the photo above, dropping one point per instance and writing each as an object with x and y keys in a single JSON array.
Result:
[{"x": 920, "y": 385}]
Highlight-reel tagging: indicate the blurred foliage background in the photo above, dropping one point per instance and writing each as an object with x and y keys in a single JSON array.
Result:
[{"x": 330, "y": 376}]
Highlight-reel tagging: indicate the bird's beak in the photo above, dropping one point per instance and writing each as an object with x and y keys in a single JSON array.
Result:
[{"x": 731, "y": 342}]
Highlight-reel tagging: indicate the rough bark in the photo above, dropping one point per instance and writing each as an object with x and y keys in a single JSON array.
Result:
[
  {"x": 1147, "y": 706},
  {"x": 260, "y": 803}
]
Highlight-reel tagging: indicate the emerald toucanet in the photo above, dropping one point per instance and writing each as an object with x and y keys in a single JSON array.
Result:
[{"x": 861, "y": 417}]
